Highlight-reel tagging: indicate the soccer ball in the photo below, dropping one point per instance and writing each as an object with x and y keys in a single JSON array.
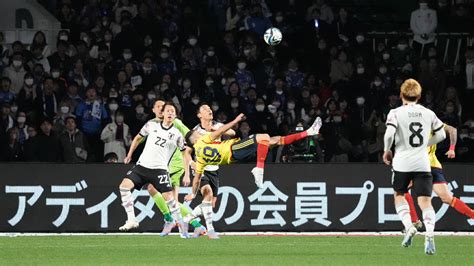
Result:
[{"x": 272, "y": 36}]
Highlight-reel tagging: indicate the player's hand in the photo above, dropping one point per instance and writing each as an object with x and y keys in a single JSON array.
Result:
[
  {"x": 387, "y": 157},
  {"x": 451, "y": 154},
  {"x": 188, "y": 197},
  {"x": 239, "y": 118},
  {"x": 127, "y": 160},
  {"x": 186, "y": 180}
]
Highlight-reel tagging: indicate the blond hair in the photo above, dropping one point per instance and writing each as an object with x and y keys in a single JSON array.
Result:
[{"x": 411, "y": 90}]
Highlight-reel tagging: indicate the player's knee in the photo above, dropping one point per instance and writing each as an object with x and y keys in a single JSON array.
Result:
[
  {"x": 126, "y": 184},
  {"x": 445, "y": 198},
  {"x": 151, "y": 189},
  {"x": 207, "y": 192},
  {"x": 167, "y": 196}
]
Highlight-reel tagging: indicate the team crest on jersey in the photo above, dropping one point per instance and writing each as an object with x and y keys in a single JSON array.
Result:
[{"x": 170, "y": 135}]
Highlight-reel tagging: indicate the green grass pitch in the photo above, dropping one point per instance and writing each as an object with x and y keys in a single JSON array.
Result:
[{"x": 231, "y": 250}]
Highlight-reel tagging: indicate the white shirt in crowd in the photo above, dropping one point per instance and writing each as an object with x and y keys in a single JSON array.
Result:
[{"x": 424, "y": 21}]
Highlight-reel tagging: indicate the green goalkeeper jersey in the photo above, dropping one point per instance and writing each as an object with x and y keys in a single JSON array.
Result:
[{"x": 176, "y": 163}]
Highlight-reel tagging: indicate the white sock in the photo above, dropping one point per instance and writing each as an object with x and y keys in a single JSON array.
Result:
[
  {"x": 206, "y": 207},
  {"x": 429, "y": 219},
  {"x": 197, "y": 211},
  {"x": 403, "y": 211},
  {"x": 174, "y": 209},
  {"x": 127, "y": 203}
]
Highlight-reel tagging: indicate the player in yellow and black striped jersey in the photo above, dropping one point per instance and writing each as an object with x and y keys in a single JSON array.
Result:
[
  {"x": 208, "y": 151},
  {"x": 440, "y": 185}
]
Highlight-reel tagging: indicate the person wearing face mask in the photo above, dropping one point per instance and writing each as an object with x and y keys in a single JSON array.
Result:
[
  {"x": 65, "y": 111},
  {"x": 361, "y": 48},
  {"x": 15, "y": 72},
  {"x": 22, "y": 127},
  {"x": 165, "y": 63},
  {"x": 423, "y": 23},
  {"x": 117, "y": 137},
  {"x": 243, "y": 77},
  {"x": 39, "y": 58},
  {"x": 294, "y": 77}
]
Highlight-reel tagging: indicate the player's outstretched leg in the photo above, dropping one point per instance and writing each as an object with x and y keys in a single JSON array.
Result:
[
  {"x": 127, "y": 203},
  {"x": 442, "y": 190},
  {"x": 263, "y": 141},
  {"x": 173, "y": 205}
]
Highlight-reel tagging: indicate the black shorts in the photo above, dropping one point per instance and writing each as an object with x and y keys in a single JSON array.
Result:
[
  {"x": 159, "y": 178},
  {"x": 422, "y": 182},
  {"x": 211, "y": 178},
  {"x": 245, "y": 150},
  {"x": 438, "y": 176}
]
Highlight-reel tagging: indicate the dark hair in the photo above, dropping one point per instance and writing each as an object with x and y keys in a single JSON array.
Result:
[
  {"x": 110, "y": 156},
  {"x": 187, "y": 138},
  {"x": 171, "y": 104},
  {"x": 70, "y": 117}
]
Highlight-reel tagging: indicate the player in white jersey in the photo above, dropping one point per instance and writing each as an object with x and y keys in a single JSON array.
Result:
[
  {"x": 152, "y": 167},
  {"x": 210, "y": 179},
  {"x": 410, "y": 126}
]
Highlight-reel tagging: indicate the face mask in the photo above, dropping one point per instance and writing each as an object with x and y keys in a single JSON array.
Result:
[
  {"x": 148, "y": 42},
  {"x": 241, "y": 66},
  {"x": 215, "y": 107},
  {"x": 276, "y": 104},
  {"x": 383, "y": 70},
  {"x": 119, "y": 119},
  {"x": 13, "y": 109},
  {"x": 113, "y": 107},
  {"x": 64, "y": 109},
  {"x": 55, "y": 74},
  {"x": 29, "y": 82},
  {"x": 151, "y": 96},
  {"x": 104, "y": 23},
  {"x": 246, "y": 52},
  {"x": 167, "y": 44},
  {"x": 192, "y": 41},
  {"x": 272, "y": 109},
  {"x": 360, "y": 101},
  {"x": 85, "y": 39},
  {"x": 195, "y": 101},
  {"x": 163, "y": 88},
  {"x": 291, "y": 106},
  {"x": 209, "y": 82},
  {"x": 386, "y": 56},
  {"x": 21, "y": 119},
  {"x": 223, "y": 81},
  {"x": 234, "y": 104},
  {"x": 377, "y": 83},
  {"x": 360, "y": 38},
  {"x": 321, "y": 46},
  {"x": 187, "y": 84},
  {"x": 63, "y": 38},
  {"x": 463, "y": 136},
  {"x": 279, "y": 92},
  {"x": 279, "y": 19},
  {"x": 402, "y": 47},
  {"x": 164, "y": 55},
  {"x": 299, "y": 128},
  {"x": 337, "y": 119},
  {"x": 210, "y": 53},
  {"x": 259, "y": 107},
  {"x": 146, "y": 69},
  {"x": 360, "y": 70},
  {"x": 140, "y": 110},
  {"x": 108, "y": 38},
  {"x": 17, "y": 63},
  {"x": 127, "y": 56},
  {"x": 423, "y": 5}
]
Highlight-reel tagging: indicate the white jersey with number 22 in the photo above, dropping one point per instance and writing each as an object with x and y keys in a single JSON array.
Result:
[{"x": 414, "y": 124}]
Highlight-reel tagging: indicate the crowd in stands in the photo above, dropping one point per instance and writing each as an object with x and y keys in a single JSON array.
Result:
[{"x": 87, "y": 94}]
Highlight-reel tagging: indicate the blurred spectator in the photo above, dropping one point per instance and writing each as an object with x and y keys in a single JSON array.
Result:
[
  {"x": 31, "y": 146},
  {"x": 423, "y": 23},
  {"x": 12, "y": 150},
  {"x": 15, "y": 72},
  {"x": 117, "y": 137},
  {"x": 46, "y": 101},
  {"x": 74, "y": 145},
  {"x": 341, "y": 69},
  {"x": 22, "y": 127},
  {"x": 111, "y": 157},
  {"x": 47, "y": 148},
  {"x": 91, "y": 114},
  {"x": 6, "y": 95}
]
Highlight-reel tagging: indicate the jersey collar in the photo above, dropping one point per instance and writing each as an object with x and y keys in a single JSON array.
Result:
[{"x": 163, "y": 127}]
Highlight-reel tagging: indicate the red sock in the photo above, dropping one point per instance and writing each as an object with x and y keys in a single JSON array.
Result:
[
  {"x": 285, "y": 140},
  {"x": 413, "y": 214},
  {"x": 461, "y": 207},
  {"x": 262, "y": 151}
]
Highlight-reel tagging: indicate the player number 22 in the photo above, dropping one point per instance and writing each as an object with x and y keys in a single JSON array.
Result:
[
  {"x": 416, "y": 139},
  {"x": 160, "y": 141}
]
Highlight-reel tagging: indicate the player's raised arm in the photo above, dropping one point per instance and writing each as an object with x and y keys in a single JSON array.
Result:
[
  {"x": 453, "y": 138},
  {"x": 219, "y": 132}
]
